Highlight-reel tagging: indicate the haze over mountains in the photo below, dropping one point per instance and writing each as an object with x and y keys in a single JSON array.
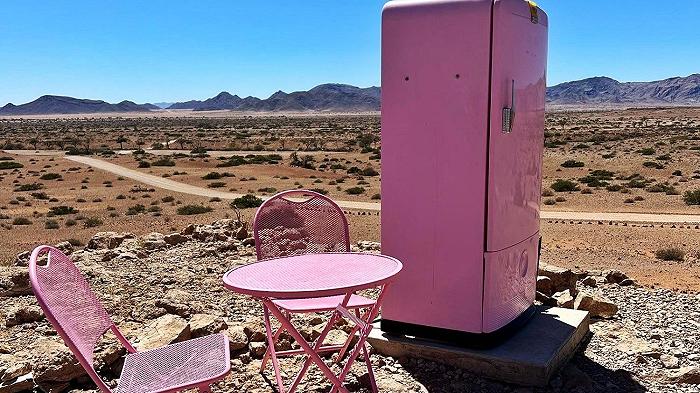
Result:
[{"x": 591, "y": 92}]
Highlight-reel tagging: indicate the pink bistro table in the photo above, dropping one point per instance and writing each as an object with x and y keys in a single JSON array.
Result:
[{"x": 315, "y": 276}]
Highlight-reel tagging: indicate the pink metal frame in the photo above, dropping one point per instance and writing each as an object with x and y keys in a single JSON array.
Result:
[
  {"x": 202, "y": 385},
  {"x": 300, "y": 198}
]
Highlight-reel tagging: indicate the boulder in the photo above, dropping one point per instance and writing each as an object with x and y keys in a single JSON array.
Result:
[
  {"x": 167, "y": 329},
  {"x": 614, "y": 276},
  {"x": 65, "y": 247},
  {"x": 685, "y": 375},
  {"x": 544, "y": 285},
  {"x": 19, "y": 315},
  {"x": 237, "y": 338},
  {"x": 102, "y": 240},
  {"x": 206, "y": 324},
  {"x": 257, "y": 349},
  {"x": 628, "y": 282},
  {"x": 14, "y": 281},
  {"x": 242, "y": 233},
  {"x": 590, "y": 282},
  {"x": 565, "y": 298},
  {"x": 669, "y": 361},
  {"x": 175, "y": 239},
  {"x": 12, "y": 367},
  {"x": 597, "y": 305},
  {"x": 154, "y": 241},
  {"x": 54, "y": 365},
  {"x": 176, "y": 302},
  {"x": 24, "y": 383},
  {"x": 562, "y": 279}
]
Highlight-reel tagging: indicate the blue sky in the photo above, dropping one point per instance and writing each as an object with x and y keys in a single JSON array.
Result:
[{"x": 185, "y": 49}]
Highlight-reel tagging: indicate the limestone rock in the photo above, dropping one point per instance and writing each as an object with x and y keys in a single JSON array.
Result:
[
  {"x": 154, "y": 241},
  {"x": 108, "y": 240},
  {"x": 685, "y": 375},
  {"x": 175, "y": 239},
  {"x": 562, "y": 279},
  {"x": 598, "y": 306},
  {"x": 162, "y": 331},
  {"x": 14, "y": 281},
  {"x": 565, "y": 298},
  {"x": 176, "y": 302},
  {"x": 23, "y": 314},
  {"x": 54, "y": 365},
  {"x": 237, "y": 339},
  {"x": 669, "y": 361},
  {"x": 205, "y": 324}
]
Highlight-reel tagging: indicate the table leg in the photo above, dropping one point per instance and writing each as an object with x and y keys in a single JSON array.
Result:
[{"x": 311, "y": 352}]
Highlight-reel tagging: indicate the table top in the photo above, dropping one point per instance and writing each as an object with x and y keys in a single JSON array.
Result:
[{"x": 312, "y": 275}]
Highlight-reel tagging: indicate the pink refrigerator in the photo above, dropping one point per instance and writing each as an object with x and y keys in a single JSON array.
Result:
[{"x": 463, "y": 95}]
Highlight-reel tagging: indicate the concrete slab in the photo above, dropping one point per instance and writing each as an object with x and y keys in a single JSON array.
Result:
[{"x": 530, "y": 357}]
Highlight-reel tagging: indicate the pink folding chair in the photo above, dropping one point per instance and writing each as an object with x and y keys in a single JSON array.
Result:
[
  {"x": 77, "y": 315},
  {"x": 300, "y": 222}
]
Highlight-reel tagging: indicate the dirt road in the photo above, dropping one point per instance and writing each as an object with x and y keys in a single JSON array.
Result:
[{"x": 156, "y": 181}]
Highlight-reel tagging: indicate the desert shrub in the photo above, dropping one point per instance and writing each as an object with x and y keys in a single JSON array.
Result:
[
  {"x": 163, "y": 162},
  {"x": 216, "y": 184},
  {"x": 29, "y": 187},
  {"x": 664, "y": 157},
  {"x": 355, "y": 190},
  {"x": 639, "y": 198},
  {"x": 547, "y": 192},
  {"x": 51, "y": 176},
  {"x": 376, "y": 197},
  {"x": 653, "y": 164},
  {"x": 70, "y": 223},
  {"x": 246, "y": 202},
  {"x": 586, "y": 191},
  {"x": 136, "y": 209},
  {"x": 320, "y": 191},
  {"x": 608, "y": 155},
  {"x": 561, "y": 185},
  {"x": 212, "y": 176},
  {"x": 581, "y": 146},
  {"x": 572, "y": 164},
  {"x": 10, "y": 165},
  {"x": 189, "y": 210},
  {"x": 92, "y": 222},
  {"x": 692, "y": 197},
  {"x": 593, "y": 181},
  {"x": 549, "y": 202},
  {"x": 647, "y": 151},
  {"x": 267, "y": 190},
  {"x": 62, "y": 210},
  {"x": 154, "y": 209},
  {"x": 121, "y": 196},
  {"x": 168, "y": 199},
  {"x": 629, "y": 200},
  {"x": 662, "y": 187},
  {"x": 144, "y": 164},
  {"x": 670, "y": 254},
  {"x": 51, "y": 224},
  {"x": 369, "y": 171},
  {"x": 75, "y": 242},
  {"x": 21, "y": 221},
  {"x": 215, "y": 199},
  {"x": 560, "y": 199},
  {"x": 677, "y": 173},
  {"x": 40, "y": 195}
]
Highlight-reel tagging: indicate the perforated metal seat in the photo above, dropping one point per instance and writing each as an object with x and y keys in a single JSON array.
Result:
[
  {"x": 175, "y": 366},
  {"x": 81, "y": 320}
]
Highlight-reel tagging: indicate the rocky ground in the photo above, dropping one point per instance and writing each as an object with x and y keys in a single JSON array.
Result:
[{"x": 167, "y": 288}]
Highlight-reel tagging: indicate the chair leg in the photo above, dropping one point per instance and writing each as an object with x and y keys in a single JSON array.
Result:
[
  {"x": 370, "y": 373},
  {"x": 276, "y": 337}
]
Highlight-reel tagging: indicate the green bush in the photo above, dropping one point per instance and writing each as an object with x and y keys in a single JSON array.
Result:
[
  {"x": 572, "y": 164},
  {"x": 92, "y": 222},
  {"x": 136, "y": 209},
  {"x": 246, "y": 202},
  {"x": 653, "y": 164},
  {"x": 692, "y": 197},
  {"x": 355, "y": 190},
  {"x": 670, "y": 254},
  {"x": 320, "y": 191},
  {"x": 189, "y": 210},
  {"x": 62, "y": 210},
  {"x": 144, "y": 164},
  {"x": 561, "y": 185},
  {"x": 51, "y": 176},
  {"x": 51, "y": 224},
  {"x": 70, "y": 223},
  {"x": 216, "y": 184},
  {"x": 168, "y": 199},
  {"x": 376, "y": 197},
  {"x": 29, "y": 187},
  {"x": 212, "y": 176},
  {"x": 21, "y": 221},
  {"x": 10, "y": 165},
  {"x": 163, "y": 162},
  {"x": 648, "y": 151},
  {"x": 369, "y": 171}
]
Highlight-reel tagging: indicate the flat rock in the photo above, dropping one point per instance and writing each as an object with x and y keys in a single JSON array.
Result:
[
  {"x": 564, "y": 299},
  {"x": 167, "y": 329},
  {"x": 206, "y": 324},
  {"x": 685, "y": 375},
  {"x": 562, "y": 279},
  {"x": 597, "y": 305}
]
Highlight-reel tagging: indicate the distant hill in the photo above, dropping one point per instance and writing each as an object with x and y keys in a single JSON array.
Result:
[
  {"x": 327, "y": 97},
  {"x": 50, "y": 105},
  {"x": 162, "y": 105},
  {"x": 600, "y": 91}
]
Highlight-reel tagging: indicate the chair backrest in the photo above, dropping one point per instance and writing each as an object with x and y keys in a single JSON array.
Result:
[
  {"x": 299, "y": 222},
  {"x": 69, "y": 304}
]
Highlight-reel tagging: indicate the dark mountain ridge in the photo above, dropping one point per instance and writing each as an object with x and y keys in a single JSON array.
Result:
[{"x": 50, "y": 104}]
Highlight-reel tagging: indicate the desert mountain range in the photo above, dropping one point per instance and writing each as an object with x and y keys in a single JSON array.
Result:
[{"x": 591, "y": 92}]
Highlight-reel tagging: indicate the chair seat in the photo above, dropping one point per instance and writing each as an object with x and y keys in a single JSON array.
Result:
[
  {"x": 319, "y": 304},
  {"x": 177, "y": 366}
]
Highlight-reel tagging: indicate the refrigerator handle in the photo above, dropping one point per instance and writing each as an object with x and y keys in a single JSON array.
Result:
[{"x": 509, "y": 112}]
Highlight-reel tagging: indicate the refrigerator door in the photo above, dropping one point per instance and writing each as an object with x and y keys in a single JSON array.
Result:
[
  {"x": 516, "y": 138},
  {"x": 435, "y": 67}
]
